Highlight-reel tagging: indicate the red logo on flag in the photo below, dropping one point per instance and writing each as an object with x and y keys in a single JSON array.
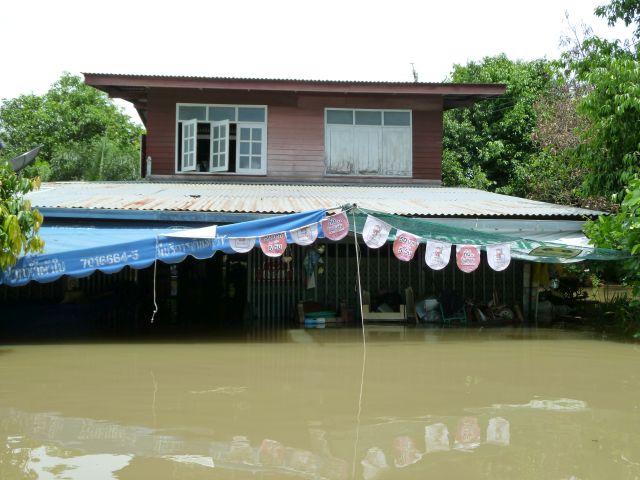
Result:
[
  {"x": 405, "y": 245},
  {"x": 336, "y": 227},
  {"x": 467, "y": 257},
  {"x": 273, "y": 245}
]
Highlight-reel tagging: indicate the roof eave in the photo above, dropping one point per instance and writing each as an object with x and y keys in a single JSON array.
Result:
[{"x": 113, "y": 82}]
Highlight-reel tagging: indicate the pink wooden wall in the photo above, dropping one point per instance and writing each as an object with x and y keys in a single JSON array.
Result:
[{"x": 295, "y": 129}]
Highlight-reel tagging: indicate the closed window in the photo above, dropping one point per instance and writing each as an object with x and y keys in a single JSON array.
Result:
[
  {"x": 221, "y": 138},
  {"x": 368, "y": 142}
]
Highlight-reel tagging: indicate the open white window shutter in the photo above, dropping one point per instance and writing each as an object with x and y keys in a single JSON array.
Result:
[
  {"x": 220, "y": 146},
  {"x": 189, "y": 145}
]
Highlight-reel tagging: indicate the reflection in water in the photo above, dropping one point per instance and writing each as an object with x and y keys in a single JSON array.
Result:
[
  {"x": 374, "y": 463},
  {"x": 405, "y": 451},
  {"x": 271, "y": 453},
  {"x": 46, "y": 464},
  {"x": 289, "y": 409},
  {"x": 467, "y": 434},
  {"x": 88, "y": 435},
  {"x": 560, "y": 405},
  {"x": 498, "y": 431},
  {"x": 192, "y": 460},
  {"x": 436, "y": 438}
]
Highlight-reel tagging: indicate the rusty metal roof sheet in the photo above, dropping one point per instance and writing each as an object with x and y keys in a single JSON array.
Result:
[
  {"x": 286, "y": 198},
  {"x": 283, "y": 79}
]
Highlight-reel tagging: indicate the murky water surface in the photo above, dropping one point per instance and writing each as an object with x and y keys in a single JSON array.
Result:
[{"x": 502, "y": 404}]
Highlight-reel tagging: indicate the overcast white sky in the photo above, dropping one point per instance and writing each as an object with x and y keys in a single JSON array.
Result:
[{"x": 328, "y": 39}]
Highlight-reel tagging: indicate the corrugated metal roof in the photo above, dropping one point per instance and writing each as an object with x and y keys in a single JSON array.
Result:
[
  {"x": 286, "y": 198},
  {"x": 284, "y": 79}
]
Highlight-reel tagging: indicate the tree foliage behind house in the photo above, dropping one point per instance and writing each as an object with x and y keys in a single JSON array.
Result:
[
  {"x": 490, "y": 145},
  {"x": 610, "y": 140},
  {"x": 610, "y": 147},
  {"x": 72, "y": 121}
]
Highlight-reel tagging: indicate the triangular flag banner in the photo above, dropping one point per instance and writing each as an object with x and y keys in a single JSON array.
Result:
[
  {"x": 375, "y": 232},
  {"x": 437, "y": 255},
  {"x": 242, "y": 245},
  {"x": 467, "y": 257},
  {"x": 499, "y": 256},
  {"x": 336, "y": 226},
  {"x": 405, "y": 245},
  {"x": 305, "y": 235},
  {"x": 273, "y": 245}
]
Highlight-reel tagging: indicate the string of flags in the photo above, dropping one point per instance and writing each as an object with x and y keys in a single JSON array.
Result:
[{"x": 375, "y": 234}]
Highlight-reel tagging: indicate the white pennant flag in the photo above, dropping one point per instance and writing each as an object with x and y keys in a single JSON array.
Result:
[
  {"x": 305, "y": 235},
  {"x": 242, "y": 245},
  {"x": 438, "y": 254},
  {"x": 375, "y": 232},
  {"x": 499, "y": 256}
]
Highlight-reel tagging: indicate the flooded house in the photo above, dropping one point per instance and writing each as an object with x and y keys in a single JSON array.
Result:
[
  {"x": 275, "y": 203},
  {"x": 227, "y": 151}
]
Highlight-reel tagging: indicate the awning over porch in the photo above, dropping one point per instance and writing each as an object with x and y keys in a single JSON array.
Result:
[
  {"x": 80, "y": 251},
  {"x": 560, "y": 246}
]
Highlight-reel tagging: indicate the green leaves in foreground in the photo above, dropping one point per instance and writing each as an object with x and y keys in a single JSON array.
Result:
[
  {"x": 622, "y": 231},
  {"x": 19, "y": 223}
]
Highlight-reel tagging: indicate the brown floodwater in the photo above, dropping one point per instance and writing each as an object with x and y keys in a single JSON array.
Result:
[{"x": 416, "y": 403}]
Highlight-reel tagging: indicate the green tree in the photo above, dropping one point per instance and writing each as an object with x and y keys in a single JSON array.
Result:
[
  {"x": 609, "y": 148},
  {"x": 626, "y": 10},
  {"x": 98, "y": 159},
  {"x": 490, "y": 145},
  {"x": 622, "y": 231},
  {"x": 70, "y": 114},
  {"x": 554, "y": 174},
  {"x": 19, "y": 223}
]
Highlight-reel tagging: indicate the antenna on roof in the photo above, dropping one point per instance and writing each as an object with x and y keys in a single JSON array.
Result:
[{"x": 414, "y": 73}]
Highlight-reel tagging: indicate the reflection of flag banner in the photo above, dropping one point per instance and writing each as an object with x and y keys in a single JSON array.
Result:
[
  {"x": 272, "y": 453},
  {"x": 405, "y": 245},
  {"x": 242, "y": 245},
  {"x": 499, "y": 256},
  {"x": 467, "y": 257},
  {"x": 498, "y": 431},
  {"x": 273, "y": 245},
  {"x": 336, "y": 227},
  {"x": 405, "y": 451},
  {"x": 436, "y": 437},
  {"x": 373, "y": 463},
  {"x": 437, "y": 254},
  {"x": 467, "y": 433},
  {"x": 305, "y": 235},
  {"x": 375, "y": 232}
]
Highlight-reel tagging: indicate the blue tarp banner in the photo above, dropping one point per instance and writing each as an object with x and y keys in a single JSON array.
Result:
[{"x": 80, "y": 251}]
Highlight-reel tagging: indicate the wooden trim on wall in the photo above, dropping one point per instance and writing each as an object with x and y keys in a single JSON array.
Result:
[{"x": 339, "y": 180}]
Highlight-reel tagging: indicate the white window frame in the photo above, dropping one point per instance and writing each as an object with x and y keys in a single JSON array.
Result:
[
  {"x": 189, "y": 155},
  {"x": 261, "y": 171},
  {"x": 223, "y": 148},
  {"x": 263, "y": 156},
  {"x": 355, "y": 127}
]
